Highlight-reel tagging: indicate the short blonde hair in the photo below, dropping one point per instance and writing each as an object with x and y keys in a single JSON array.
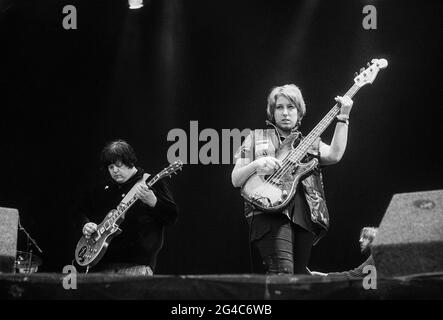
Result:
[
  {"x": 369, "y": 232},
  {"x": 290, "y": 92}
]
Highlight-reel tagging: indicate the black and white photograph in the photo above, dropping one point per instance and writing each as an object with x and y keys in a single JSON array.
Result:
[{"x": 221, "y": 158}]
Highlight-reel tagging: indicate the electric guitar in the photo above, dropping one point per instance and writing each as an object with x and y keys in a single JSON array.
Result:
[
  {"x": 273, "y": 192},
  {"x": 89, "y": 251}
]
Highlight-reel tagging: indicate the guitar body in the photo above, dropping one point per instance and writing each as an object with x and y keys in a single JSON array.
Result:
[
  {"x": 89, "y": 251},
  {"x": 275, "y": 194}
]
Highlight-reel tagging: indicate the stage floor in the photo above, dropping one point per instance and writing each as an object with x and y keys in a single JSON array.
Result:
[{"x": 213, "y": 287}]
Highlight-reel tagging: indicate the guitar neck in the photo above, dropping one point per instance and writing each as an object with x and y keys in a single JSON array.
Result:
[
  {"x": 122, "y": 207},
  {"x": 297, "y": 154}
]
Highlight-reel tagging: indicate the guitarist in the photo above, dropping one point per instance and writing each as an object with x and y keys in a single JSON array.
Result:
[
  {"x": 281, "y": 242},
  {"x": 135, "y": 250}
]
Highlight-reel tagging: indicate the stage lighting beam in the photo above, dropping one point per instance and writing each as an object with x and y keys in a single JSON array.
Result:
[{"x": 135, "y": 4}]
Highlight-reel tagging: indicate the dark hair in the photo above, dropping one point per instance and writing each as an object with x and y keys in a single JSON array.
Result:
[{"x": 118, "y": 150}]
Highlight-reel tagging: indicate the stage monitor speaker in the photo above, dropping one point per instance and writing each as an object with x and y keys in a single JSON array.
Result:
[
  {"x": 8, "y": 238},
  {"x": 410, "y": 236}
]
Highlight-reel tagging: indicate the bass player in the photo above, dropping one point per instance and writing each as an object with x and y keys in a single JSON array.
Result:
[{"x": 281, "y": 242}]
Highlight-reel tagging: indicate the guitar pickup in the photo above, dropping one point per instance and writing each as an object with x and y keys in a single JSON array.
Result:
[{"x": 276, "y": 181}]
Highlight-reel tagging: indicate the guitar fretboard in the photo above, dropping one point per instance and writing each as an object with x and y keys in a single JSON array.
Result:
[
  {"x": 123, "y": 207},
  {"x": 298, "y": 153}
]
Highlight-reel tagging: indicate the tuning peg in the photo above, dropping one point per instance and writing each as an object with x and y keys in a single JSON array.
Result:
[
  {"x": 362, "y": 69},
  {"x": 356, "y": 74},
  {"x": 368, "y": 64}
]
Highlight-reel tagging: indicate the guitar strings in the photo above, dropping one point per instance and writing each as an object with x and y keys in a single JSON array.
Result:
[
  {"x": 295, "y": 156},
  {"x": 321, "y": 126},
  {"x": 292, "y": 158},
  {"x": 278, "y": 174},
  {"x": 288, "y": 162}
]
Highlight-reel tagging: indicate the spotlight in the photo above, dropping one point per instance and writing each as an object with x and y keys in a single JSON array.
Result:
[{"x": 135, "y": 4}]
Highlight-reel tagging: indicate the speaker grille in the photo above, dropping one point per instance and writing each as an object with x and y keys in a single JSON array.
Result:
[
  {"x": 8, "y": 238},
  {"x": 410, "y": 237}
]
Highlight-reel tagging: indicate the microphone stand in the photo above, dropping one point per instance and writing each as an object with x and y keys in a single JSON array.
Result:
[{"x": 29, "y": 240}]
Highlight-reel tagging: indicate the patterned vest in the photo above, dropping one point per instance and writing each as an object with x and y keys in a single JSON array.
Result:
[{"x": 264, "y": 143}]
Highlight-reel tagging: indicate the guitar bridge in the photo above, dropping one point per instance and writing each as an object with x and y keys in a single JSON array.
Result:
[{"x": 265, "y": 202}]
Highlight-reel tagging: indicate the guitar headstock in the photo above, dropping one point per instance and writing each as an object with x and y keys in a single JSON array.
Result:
[
  {"x": 368, "y": 75},
  {"x": 172, "y": 168}
]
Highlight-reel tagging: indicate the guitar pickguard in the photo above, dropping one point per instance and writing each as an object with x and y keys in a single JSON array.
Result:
[{"x": 272, "y": 195}]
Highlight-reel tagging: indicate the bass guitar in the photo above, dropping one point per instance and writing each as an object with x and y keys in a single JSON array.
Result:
[
  {"x": 273, "y": 192},
  {"x": 90, "y": 250}
]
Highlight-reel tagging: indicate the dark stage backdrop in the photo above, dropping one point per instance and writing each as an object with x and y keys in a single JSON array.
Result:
[{"x": 137, "y": 75}]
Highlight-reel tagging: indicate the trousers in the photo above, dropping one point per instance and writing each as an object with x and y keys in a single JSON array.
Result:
[{"x": 279, "y": 246}]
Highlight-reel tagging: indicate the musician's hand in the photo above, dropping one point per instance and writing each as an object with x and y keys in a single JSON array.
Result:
[
  {"x": 345, "y": 104},
  {"x": 88, "y": 229},
  {"x": 146, "y": 195},
  {"x": 267, "y": 165}
]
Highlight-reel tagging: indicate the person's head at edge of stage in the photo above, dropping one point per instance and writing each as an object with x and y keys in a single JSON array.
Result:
[
  {"x": 367, "y": 236},
  {"x": 286, "y": 107},
  {"x": 119, "y": 159}
]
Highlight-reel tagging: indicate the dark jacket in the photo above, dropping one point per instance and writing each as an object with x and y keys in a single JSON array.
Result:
[
  {"x": 143, "y": 226},
  {"x": 356, "y": 273}
]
